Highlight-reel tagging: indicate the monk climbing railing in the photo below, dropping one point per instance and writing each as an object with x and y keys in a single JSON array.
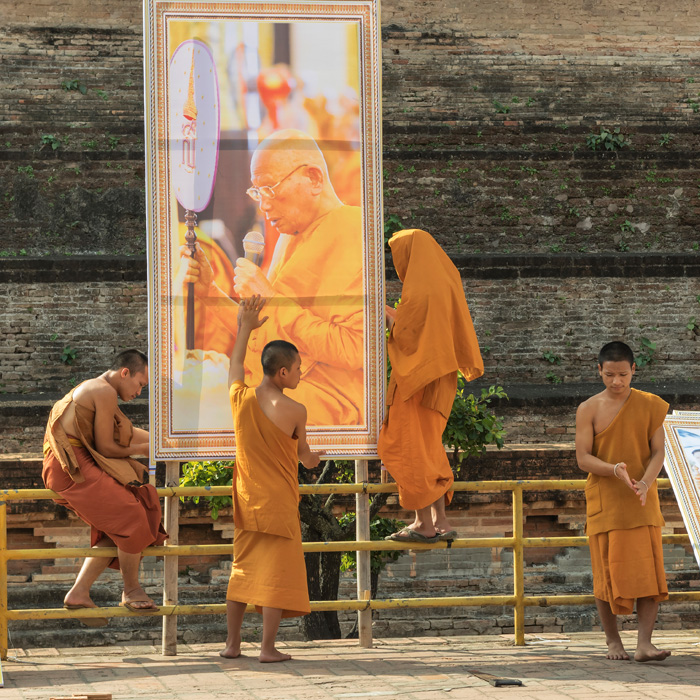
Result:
[{"x": 363, "y": 604}]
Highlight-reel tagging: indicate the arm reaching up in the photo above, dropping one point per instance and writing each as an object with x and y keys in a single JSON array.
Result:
[{"x": 248, "y": 321}]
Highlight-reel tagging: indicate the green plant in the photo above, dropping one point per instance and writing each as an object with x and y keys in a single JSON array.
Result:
[
  {"x": 90, "y": 144},
  {"x": 392, "y": 224},
  {"x": 74, "y": 85},
  {"x": 500, "y": 108},
  {"x": 665, "y": 139},
  {"x": 68, "y": 355},
  {"x": 692, "y": 325},
  {"x": 472, "y": 425},
  {"x": 50, "y": 140},
  {"x": 609, "y": 140},
  {"x": 646, "y": 354},
  {"x": 112, "y": 142},
  {"x": 551, "y": 357},
  {"x": 26, "y": 170},
  {"x": 379, "y": 528},
  {"x": 553, "y": 377},
  {"x": 623, "y": 246},
  {"x": 627, "y": 226},
  {"x": 207, "y": 474},
  {"x": 102, "y": 94}
]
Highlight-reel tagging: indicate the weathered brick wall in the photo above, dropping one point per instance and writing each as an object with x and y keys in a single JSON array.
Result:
[{"x": 457, "y": 164}]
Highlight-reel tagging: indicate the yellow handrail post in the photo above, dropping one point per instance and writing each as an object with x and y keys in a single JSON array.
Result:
[
  {"x": 518, "y": 568},
  {"x": 3, "y": 579},
  {"x": 364, "y": 566},
  {"x": 171, "y": 522}
]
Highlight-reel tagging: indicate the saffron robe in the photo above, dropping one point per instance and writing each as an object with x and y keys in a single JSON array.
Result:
[
  {"x": 268, "y": 562},
  {"x": 318, "y": 306},
  {"x": 432, "y": 338},
  {"x": 624, "y": 536},
  {"x": 112, "y": 495}
]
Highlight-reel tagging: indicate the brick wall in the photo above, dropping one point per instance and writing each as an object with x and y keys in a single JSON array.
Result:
[{"x": 482, "y": 177}]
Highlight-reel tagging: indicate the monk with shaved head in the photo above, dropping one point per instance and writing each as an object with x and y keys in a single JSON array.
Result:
[
  {"x": 314, "y": 283},
  {"x": 268, "y": 562}
]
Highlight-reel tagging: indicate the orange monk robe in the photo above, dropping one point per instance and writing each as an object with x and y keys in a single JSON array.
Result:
[
  {"x": 318, "y": 306},
  {"x": 432, "y": 338},
  {"x": 112, "y": 495},
  {"x": 268, "y": 561},
  {"x": 624, "y": 536}
]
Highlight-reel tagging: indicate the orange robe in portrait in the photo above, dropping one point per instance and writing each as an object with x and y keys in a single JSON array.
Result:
[
  {"x": 319, "y": 307},
  {"x": 432, "y": 338},
  {"x": 268, "y": 562},
  {"x": 112, "y": 495},
  {"x": 624, "y": 536}
]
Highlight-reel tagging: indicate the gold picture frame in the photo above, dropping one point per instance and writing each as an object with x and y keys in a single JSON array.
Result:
[{"x": 222, "y": 78}]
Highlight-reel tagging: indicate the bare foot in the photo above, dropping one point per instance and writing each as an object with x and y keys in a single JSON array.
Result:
[
  {"x": 231, "y": 652},
  {"x": 273, "y": 657},
  {"x": 442, "y": 526},
  {"x": 425, "y": 531},
  {"x": 75, "y": 600},
  {"x": 616, "y": 652},
  {"x": 651, "y": 653},
  {"x": 137, "y": 600}
]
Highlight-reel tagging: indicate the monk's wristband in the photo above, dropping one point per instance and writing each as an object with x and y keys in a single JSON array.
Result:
[
  {"x": 615, "y": 470},
  {"x": 641, "y": 481}
]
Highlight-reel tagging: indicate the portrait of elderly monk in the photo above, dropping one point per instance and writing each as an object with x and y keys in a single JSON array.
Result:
[{"x": 314, "y": 282}]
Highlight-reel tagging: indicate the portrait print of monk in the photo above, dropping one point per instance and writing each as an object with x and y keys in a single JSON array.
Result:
[{"x": 272, "y": 189}]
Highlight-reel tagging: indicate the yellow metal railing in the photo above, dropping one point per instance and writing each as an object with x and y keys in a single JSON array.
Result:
[{"x": 517, "y": 542}]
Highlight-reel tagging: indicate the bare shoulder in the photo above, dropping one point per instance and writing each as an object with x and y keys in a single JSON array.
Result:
[
  {"x": 294, "y": 408},
  {"x": 96, "y": 391},
  {"x": 588, "y": 408}
]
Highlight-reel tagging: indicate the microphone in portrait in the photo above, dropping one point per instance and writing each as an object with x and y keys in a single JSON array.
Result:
[{"x": 254, "y": 247}]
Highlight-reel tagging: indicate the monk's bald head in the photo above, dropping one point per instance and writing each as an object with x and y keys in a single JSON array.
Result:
[
  {"x": 285, "y": 150},
  {"x": 290, "y": 181},
  {"x": 276, "y": 355}
]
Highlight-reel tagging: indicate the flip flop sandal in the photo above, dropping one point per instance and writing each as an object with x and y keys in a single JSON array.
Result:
[
  {"x": 408, "y": 535},
  {"x": 129, "y": 605},
  {"x": 88, "y": 621},
  {"x": 449, "y": 535}
]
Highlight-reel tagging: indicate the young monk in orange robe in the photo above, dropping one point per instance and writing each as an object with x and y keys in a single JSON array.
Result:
[
  {"x": 268, "y": 562},
  {"x": 620, "y": 443},
  {"x": 431, "y": 339},
  {"x": 87, "y": 460}
]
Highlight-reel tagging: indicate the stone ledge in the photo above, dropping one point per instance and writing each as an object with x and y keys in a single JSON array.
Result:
[{"x": 113, "y": 268}]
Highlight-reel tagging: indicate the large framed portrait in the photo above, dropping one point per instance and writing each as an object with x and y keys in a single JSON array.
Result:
[
  {"x": 682, "y": 432},
  {"x": 263, "y": 145}
]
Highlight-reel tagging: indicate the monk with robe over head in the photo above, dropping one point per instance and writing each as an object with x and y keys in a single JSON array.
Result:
[
  {"x": 88, "y": 450},
  {"x": 431, "y": 338},
  {"x": 620, "y": 443},
  {"x": 314, "y": 285},
  {"x": 268, "y": 562}
]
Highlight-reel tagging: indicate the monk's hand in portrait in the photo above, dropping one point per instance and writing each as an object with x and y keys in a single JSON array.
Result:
[
  {"x": 249, "y": 279},
  {"x": 198, "y": 270},
  {"x": 249, "y": 313}
]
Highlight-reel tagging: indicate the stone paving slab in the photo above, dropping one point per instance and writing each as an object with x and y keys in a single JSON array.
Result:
[{"x": 568, "y": 667}]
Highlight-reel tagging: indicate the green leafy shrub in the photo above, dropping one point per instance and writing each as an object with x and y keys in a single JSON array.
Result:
[
  {"x": 607, "y": 139},
  {"x": 209, "y": 473},
  {"x": 472, "y": 425},
  {"x": 646, "y": 354},
  {"x": 379, "y": 528}
]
